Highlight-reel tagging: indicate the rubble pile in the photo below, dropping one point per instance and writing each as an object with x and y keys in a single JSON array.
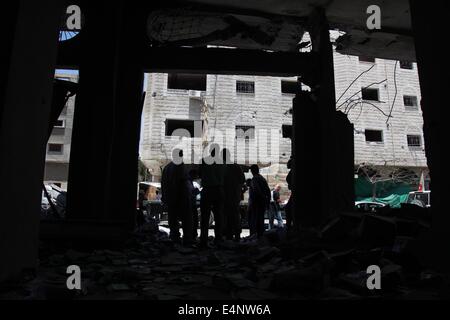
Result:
[{"x": 327, "y": 264}]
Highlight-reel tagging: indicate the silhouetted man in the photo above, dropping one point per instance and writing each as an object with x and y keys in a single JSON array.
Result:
[
  {"x": 212, "y": 195},
  {"x": 275, "y": 210},
  {"x": 289, "y": 206},
  {"x": 175, "y": 194},
  {"x": 259, "y": 200},
  {"x": 233, "y": 182},
  {"x": 193, "y": 192}
]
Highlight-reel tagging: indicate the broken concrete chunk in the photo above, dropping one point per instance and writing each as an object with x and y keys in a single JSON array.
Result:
[
  {"x": 407, "y": 227},
  {"x": 167, "y": 297},
  {"x": 137, "y": 261},
  {"x": 268, "y": 267},
  {"x": 275, "y": 236},
  {"x": 168, "y": 269},
  {"x": 414, "y": 212},
  {"x": 185, "y": 250},
  {"x": 113, "y": 253},
  {"x": 356, "y": 281},
  {"x": 307, "y": 280},
  {"x": 56, "y": 260},
  {"x": 266, "y": 253},
  {"x": 391, "y": 276},
  {"x": 119, "y": 262},
  {"x": 377, "y": 231},
  {"x": 255, "y": 294},
  {"x": 209, "y": 293},
  {"x": 265, "y": 283},
  {"x": 368, "y": 257},
  {"x": 217, "y": 258},
  {"x": 197, "y": 279},
  {"x": 430, "y": 279},
  {"x": 317, "y": 257},
  {"x": 177, "y": 258},
  {"x": 173, "y": 291},
  {"x": 75, "y": 256},
  {"x": 338, "y": 229},
  {"x": 95, "y": 258},
  {"x": 333, "y": 293},
  {"x": 119, "y": 287}
]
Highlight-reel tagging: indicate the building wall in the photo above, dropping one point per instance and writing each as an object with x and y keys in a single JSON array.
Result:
[{"x": 266, "y": 109}]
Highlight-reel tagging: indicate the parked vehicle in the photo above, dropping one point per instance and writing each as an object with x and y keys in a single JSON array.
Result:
[
  {"x": 420, "y": 198},
  {"x": 57, "y": 207},
  {"x": 369, "y": 206}
]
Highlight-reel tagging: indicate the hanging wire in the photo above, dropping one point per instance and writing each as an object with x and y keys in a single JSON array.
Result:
[
  {"x": 361, "y": 74},
  {"x": 372, "y": 84},
  {"x": 395, "y": 95}
]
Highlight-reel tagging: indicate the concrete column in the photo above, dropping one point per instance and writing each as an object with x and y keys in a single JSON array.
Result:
[
  {"x": 306, "y": 153},
  {"x": 7, "y": 31},
  {"x": 326, "y": 103},
  {"x": 129, "y": 102},
  {"x": 344, "y": 197},
  {"x": 315, "y": 141},
  {"x": 94, "y": 115},
  {"x": 23, "y": 131},
  {"x": 104, "y": 156},
  {"x": 430, "y": 33}
]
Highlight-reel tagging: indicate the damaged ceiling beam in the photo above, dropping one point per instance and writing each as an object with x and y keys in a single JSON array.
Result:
[
  {"x": 229, "y": 61},
  {"x": 188, "y": 26},
  {"x": 379, "y": 44}
]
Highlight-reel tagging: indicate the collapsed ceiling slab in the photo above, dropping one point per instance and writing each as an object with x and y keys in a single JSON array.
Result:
[
  {"x": 184, "y": 26},
  {"x": 377, "y": 45},
  {"x": 274, "y": 25},
  {"x": 395, "y": 13},
  {"x": 393, "y": 41}
]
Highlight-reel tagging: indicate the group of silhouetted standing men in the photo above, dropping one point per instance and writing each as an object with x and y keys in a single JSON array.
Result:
[{"x": 223, "y": 184}]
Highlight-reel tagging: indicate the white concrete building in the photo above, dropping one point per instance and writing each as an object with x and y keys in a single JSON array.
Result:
[{"x": 228, "y": 103}]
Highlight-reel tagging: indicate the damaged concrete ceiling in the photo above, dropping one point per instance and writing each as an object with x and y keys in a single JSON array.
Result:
[
  {"x": 184, "y": 26},
  {"x": 393, "y": 41}
]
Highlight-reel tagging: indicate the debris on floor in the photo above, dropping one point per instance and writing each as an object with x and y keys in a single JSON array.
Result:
[{"x": 330, "y": 264}]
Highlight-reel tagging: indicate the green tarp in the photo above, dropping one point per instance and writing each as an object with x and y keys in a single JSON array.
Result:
[{"x": 387, "y": 192}]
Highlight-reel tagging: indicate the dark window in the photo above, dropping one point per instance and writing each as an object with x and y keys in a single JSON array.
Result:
[
  {"x": 410, "y": 101},
  {"x": 370, "y": 94},
  {"x": 175, "y": 127},
  {"x": 245, "y": 132},
  {"x": 59, "y": 124},
  {"x": 374, "y": 135},
  {"x": 414, "y": 140},
  {"x": 245, "y": 86},
  {"x": 287, "y": 131},
  {"x": 289, "y": 87},
  {"x": 406, "y": 65},
  {"x": 55, "y": 147},
  {"x": 366, "y": 59},
  {"x": 187, "y": 81}
]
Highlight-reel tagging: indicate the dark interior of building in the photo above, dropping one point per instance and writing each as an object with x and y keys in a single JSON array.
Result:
[{"x": 115, "y": 45}]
